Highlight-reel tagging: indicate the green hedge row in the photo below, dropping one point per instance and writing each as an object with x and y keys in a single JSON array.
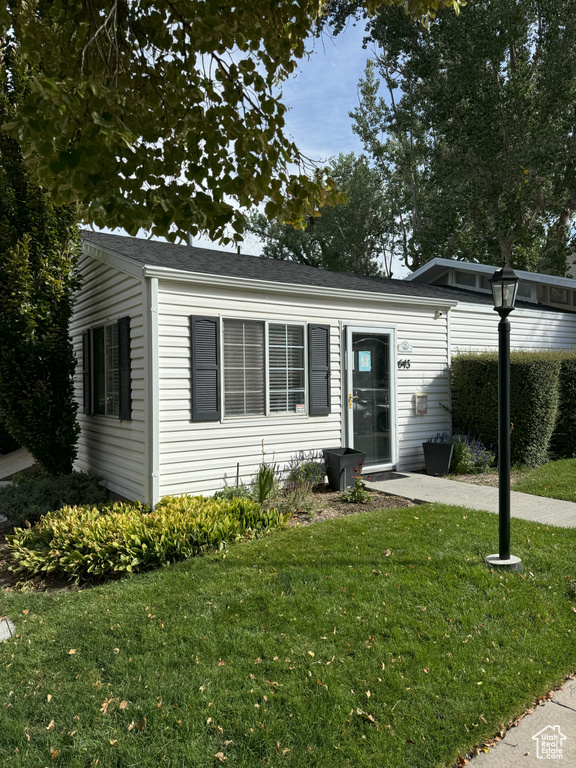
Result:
[
  {"x": 542, "y": 402},
  {"x": 563, "y": 443},
  {"x": 91, "y": 543}
]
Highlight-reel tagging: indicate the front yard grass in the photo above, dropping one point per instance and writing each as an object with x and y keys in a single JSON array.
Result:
[
  {"x": 556, "y": 480},
  {"x": 379, "y": 639}
]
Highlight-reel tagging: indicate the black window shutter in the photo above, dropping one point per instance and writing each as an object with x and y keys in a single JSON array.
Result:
[
  {"x": 205, "y": 343},
  {"x": 124, "y": 369},
  {"x": 319, "y": 369},
  {"x": 86, "y": 373}
]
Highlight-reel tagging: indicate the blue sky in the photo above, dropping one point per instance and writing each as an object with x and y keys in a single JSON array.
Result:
[{"x": 322, "y": 93}]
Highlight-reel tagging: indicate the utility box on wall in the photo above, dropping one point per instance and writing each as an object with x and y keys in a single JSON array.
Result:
[{"x": 420, "y": 403}]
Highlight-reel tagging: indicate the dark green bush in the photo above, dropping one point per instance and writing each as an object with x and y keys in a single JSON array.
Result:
[
  {"x": 36, "y": 493},
  {"x": 563, "y": 443},
  {"x": 534, "y": 378},
  {"x": 91, "y": 543}
]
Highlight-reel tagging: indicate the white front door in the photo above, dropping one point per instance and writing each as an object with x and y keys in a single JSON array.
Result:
[{"x": 370, "y": 395}]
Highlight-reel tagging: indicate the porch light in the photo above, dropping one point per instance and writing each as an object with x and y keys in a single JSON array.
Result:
[{"x": 504, "y": 284}]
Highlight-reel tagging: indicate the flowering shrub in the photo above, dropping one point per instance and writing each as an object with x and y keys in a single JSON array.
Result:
[
  {"x": 357, "y": 493},
  {"x": 470, "y": 456},
  {"x": 306, "y": 468}
]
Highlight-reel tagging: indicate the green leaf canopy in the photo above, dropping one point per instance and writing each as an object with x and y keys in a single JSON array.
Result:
[{"x": 165, "y": 114}]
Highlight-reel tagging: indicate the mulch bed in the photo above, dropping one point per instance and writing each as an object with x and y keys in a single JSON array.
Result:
[{"x": 331, "y": 506}]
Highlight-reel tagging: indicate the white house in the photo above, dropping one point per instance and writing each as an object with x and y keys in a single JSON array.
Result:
[{"x": 191, "y": 360}]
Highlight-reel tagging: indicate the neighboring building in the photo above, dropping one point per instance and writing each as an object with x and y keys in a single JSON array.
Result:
[{"x": 193, "y": 361}]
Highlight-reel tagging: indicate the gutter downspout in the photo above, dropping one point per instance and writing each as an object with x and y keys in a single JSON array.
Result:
[
  {"x": 449, "y": 359},
  {"x": 153, "y": 392}
]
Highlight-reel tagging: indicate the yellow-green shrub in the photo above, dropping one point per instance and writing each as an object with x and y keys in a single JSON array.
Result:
[{"x": 93, "y": 543}]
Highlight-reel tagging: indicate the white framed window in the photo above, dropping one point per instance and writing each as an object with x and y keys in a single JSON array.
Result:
[
  {"x": 244, "y": 380},
  {"x": 559, "y": 295},
  {"x": 286, "y": 369},
  {"x": 264, "y": 368},
  {"x": 106, "y": 391}
]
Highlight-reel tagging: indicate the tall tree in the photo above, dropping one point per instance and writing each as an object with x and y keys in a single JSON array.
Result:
[
  {"x": 166, "y": 114},
  {"x": 476, "y": 138},
  {"x": 38, "y": 243},
  {"x": 353, "y": 236}
]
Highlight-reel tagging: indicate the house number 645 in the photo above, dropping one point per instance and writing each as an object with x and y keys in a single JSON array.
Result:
[{"x": 403, "y": 363}]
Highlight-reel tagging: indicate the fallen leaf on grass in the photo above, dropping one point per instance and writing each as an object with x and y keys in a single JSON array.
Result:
[
  {"x": 123, "y": 705},
  {"x": 50, "y": 726},
  {"x": 49, "y": 698},
  {"x": 72, "y": 651},
  {"x": 54, "y": 753},
  {"x": 113, "y": 742},
  {"x": 367, "y": 716},
  {"x": 388, "y": 552},
  {"x": 462, "y": 761},
  {"x": 220, "y": 756}
]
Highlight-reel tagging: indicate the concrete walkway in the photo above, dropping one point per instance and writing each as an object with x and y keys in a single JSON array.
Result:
[
  {"x": 554, "y": 726},
  {"x": 14, "y": 462},
  {"x": 424, "y": 488},
  {"x": 553, "y": 723}
]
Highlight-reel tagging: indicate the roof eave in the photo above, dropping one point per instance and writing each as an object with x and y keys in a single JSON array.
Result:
[{"x": 268, "y": 286}]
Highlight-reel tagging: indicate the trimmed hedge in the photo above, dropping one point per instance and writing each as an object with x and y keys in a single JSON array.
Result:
[
  {"x": 563, "y": 443},
  {"x": 534, "y": 400},
  {"x": 91, "y": 543}
]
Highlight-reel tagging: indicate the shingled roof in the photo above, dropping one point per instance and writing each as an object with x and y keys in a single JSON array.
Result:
[{"x": 213, "y": 262}]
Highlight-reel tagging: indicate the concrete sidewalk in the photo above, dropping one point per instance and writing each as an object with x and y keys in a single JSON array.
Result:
[
  {"x": 553, "y": 723},
  {"x": 16, "y": 461},
  {"x": 424, "y": 488},
  {"x": 547, "y": 733}
]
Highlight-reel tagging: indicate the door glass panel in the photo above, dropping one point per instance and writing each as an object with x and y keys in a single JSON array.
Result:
[{"x": 371, "y": 396}]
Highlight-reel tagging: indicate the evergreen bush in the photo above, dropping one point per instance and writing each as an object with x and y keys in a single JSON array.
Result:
[
  {"x": 534, "y": 397},
  {"x": 563, "y": 443},
  {"x": 34, "y": 494}
]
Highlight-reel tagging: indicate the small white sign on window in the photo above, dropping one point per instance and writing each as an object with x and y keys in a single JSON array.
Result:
[
  {"x": 364, "y": 361},
  {"x": 300, "y": 408}
]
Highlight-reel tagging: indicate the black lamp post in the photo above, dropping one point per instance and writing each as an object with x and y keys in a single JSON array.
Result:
[{"x": 504, "y": 284}]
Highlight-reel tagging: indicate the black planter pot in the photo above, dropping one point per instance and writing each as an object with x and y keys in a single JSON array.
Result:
[
  {"x": 340, "y": 463},
  {"x": 438, "y": 457}
]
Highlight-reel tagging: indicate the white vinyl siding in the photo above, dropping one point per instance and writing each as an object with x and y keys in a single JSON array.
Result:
[
  {"x": 200, "y": 457},
  {"x": 112, "y": 448},
  {"x": 475, "y": 327}
]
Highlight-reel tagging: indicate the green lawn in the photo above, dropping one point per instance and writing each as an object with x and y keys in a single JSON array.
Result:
[
  {"x": 556, "y": 480},
  {"x": 377, "y": 640}
]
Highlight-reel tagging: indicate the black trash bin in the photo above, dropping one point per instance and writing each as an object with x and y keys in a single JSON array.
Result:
[{"x": 340, "y": 463}]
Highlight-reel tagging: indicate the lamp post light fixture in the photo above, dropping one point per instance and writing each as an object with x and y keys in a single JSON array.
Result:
[{"x": 504, "y": 284}]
